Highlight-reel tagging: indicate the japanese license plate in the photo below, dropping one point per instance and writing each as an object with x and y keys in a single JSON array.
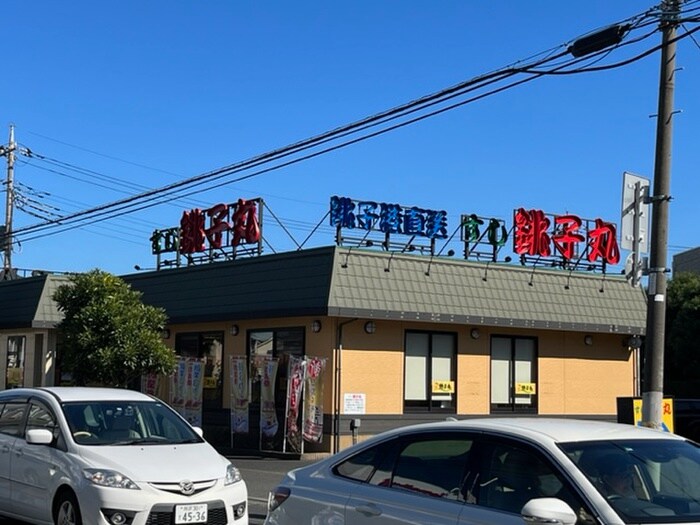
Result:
[{"x": 191, "y": 513}]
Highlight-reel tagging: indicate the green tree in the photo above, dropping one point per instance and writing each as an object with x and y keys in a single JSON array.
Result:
[
  {"x": 682, "y": 359},
  {"x": 109, "y": 336}
]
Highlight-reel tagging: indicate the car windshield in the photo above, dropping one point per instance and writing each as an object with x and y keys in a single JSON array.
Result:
[
  {"x": 103, "y": 423},
  {"x": 645, "y": 481}
]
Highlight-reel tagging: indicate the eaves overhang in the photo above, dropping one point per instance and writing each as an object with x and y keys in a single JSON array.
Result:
[{"x": 414, "y": 288}]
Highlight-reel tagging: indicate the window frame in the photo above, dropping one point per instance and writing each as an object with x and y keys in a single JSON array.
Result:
[
  {"x": 23, "y": 419},
  {"x": 212, "y": 398},
  {"x": 413, "y": 406},
  {"x": 513, "y": 406},
  {"x": 20, "y": 355}
]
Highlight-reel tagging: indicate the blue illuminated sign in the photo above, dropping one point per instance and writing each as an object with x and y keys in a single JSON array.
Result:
[{"x": 388, "y": 218}]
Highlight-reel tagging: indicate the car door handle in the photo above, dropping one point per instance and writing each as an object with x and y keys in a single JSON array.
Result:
[
  {"x": 369, "y": 509},
  {"x": 5, "y": 448}
]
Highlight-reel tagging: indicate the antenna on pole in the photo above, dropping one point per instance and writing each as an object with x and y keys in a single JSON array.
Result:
[{"x": 6, "y": 233}]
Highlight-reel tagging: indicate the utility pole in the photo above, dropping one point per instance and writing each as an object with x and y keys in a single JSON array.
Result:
[
  {"x": 652, "y": 394},
  {"x": 6, "y": 235}
]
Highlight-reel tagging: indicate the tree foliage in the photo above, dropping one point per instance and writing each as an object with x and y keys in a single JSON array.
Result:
[
  {"x": 682, "y": 359},
  {"x": 109, "y": 335}
]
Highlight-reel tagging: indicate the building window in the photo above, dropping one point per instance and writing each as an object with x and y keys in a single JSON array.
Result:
[
  {"x": 513, "y": 374},
  {"x": 208, "y": 346},
  {"x": 16, "y": 351},
  {"x": 277, "y": 344},
  {"x": 429, "y": 377}
]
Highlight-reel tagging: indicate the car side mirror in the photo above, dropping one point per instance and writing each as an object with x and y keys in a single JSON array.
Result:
[
  {"x": 199, "y": 431},
  {"x": 39, "y": 436},
  {"x": 548, "y": 510}
]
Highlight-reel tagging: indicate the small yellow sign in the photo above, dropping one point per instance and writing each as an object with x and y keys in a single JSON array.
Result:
[
  {"x": 443, "y": 387},
  {"x": 526, "y": 388},
  {"x": 666, "y": 413}
]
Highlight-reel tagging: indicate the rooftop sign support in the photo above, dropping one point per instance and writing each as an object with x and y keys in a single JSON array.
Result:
[{"x": 222, "y": 232}]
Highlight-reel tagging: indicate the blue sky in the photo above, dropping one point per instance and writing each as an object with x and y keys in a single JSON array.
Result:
[{"x": 142, "y": 94}]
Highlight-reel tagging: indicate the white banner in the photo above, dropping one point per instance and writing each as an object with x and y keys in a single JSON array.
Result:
[
  {"x": 268, "y": 417},
  {"x": 313, "y": 400},
  {"x": 239, "y": 395}
]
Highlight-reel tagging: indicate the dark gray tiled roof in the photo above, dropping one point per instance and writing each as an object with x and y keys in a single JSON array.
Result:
[
  {"x": 346, "y": 282},
  {"x": 281, "y": 285},
  {"x": 27, "y": 302},
  {"x": 455, "y": 291}
]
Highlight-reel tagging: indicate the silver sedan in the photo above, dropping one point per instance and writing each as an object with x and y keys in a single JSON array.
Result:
[{"x": 499, "y": 471}]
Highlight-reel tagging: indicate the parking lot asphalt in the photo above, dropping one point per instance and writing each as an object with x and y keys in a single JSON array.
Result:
[{"x": 261, "y": 475}]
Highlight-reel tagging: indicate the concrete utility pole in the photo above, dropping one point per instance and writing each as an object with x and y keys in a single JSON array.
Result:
[
  {"x": 652, "y": 395},
  {"x": 6, "y": 235}
]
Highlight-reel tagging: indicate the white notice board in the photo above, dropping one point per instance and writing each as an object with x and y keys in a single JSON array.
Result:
[{"x": 354, "y": 404}]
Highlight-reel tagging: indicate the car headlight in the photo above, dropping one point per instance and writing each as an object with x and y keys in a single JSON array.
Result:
[
  {"x": 233, "y": 475},
  {"x": 109, "y": 478}
]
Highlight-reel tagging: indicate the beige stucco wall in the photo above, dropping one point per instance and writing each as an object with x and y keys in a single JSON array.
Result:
[
  {"x": 578, "y": 379},
  {"x": 39, "y": 363},
  {"x": 573, "y": 378}
]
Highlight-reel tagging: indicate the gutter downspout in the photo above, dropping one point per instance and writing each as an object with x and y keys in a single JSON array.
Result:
[{"x": 338, "y": 390}]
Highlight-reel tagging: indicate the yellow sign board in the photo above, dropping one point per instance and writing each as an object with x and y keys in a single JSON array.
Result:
[
  {"x": 526, "y": 388},
  {"x": 666, "y": 413},
  {"x": 443, "y": 387}
]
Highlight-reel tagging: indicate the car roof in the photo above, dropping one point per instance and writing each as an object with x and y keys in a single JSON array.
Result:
[
  {"x": 544, "y": 429},
  {"x": 84, "y": 393}
]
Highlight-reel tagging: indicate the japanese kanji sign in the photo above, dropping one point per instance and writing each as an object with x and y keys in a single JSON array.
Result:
[
  {"x": 388, "y": 218},
  {"x": 539, "y": 236},
  {"x": 219, "y": 229}
]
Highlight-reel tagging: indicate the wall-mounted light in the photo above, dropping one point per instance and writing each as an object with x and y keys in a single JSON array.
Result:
[
  {"x": 370, "y": 327},
  {"x": 474, "y": 333},
  {"x": 234, "y": 330},
  {"x": 588, "y": 340},
  {"x": 634, "y": 342},
  {"x": 165, "y": 333},
  {"x": 316, "y": 326}
]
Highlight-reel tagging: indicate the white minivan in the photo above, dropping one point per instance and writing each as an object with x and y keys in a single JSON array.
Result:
[{"x": 107, "y": 456}]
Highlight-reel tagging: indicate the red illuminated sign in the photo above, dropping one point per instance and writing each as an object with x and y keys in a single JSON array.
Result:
[
  {"x": 245, "y": 223},
  {"x": 222, "y": 230},
  {"x": 532, "y": 237}
]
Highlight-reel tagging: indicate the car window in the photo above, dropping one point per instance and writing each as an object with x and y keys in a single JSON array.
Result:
[
  {"x": 432, "y": 466},
  {"x": 363, "y": 464},
  {"x": 645, "y": 481},
  {"x": 512, "y": 474},
  {"x": 12, "y": 418},
  {"x": 125, "y": 423},
  {"x": 40, "y": 417}
]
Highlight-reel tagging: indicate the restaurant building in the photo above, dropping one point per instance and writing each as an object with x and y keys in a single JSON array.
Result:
[{"x": 310, "y": 350}]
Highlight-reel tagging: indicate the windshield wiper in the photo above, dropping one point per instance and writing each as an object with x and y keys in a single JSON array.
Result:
[{"x": 142, "y": 441}]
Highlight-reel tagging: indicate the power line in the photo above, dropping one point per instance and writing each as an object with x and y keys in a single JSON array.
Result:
[{"x": 138, "y": 202}]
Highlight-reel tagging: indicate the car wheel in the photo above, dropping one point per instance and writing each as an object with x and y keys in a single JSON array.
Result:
[{"x": 66, "y": 511}]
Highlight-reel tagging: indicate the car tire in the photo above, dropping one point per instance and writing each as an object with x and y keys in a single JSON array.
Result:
[{"x": 66, "y": 510}]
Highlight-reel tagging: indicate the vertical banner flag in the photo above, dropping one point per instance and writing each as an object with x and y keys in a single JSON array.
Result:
[
  {"x": 295, "y": 385},
  {"x": 149, "y": 384},
  {"x": 193, "y": 391},
  {"x": 268, "y": 416},
  {"x": 177, "y": 387},
  {"x": 313, "y": 400},
  {"x": 239, "y": 395},
  {"x": 186, "y": 389}
]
